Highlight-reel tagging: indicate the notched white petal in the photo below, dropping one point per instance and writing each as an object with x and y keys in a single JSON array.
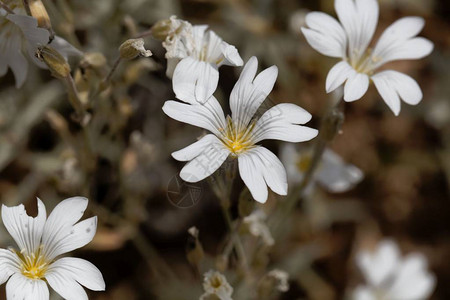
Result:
[{"x": 25, "y": 230}]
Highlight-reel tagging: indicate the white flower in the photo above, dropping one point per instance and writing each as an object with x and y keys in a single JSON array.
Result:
[
  {"x": 256, "y": 225},
  {"x": 194, "y": 55},
  {"x": 333, "y": 173},
  {"x": 41, "y": 241},
  {"x": 20, "y": 34},
  {"x": 215, "y": 284},
  {"x": 350, "y": 42},
  {"x": 391, "y": 277},
  {"x": 237, "y": 135}
]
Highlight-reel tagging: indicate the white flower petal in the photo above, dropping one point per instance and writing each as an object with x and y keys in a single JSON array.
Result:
[
  {"x": 194, "y": 81},
  {"x": 190, "y": 152},
  {"x": 258, "y": 167},
  {"x": 11, "y": 55},
  {"x": 208, "y": 116},
  {"x": 322, "y": 43},
  {"x": 79, "y": 235},
  {"x": 338, "y": 75},
  {"x": 387, "y": 92},
  {"x": 61, "y": 281},
  {"x": 325, "y": 35},
  {"x": 395, "y": 40},
  {"x": 252, "y": 175},
  {"x": 415, "y": 48},
  {"x": 380, "y": 264},
  {"x": 84, "y": 272},
  {"x": 355, "y": 87},
  {"x": 206, "y": 162},
  {"x": 412, "y": 280},
  {"x": 392, "y": 85},
  {"x": 20, "y": 287},
  {"x": 9, "y": 264},
  {"x": 363, "y": 293},
  {"x": 213, "y": 47},
  {"x": 402, "y": 29},
  {"x": 359, "y": 21},
  {"x": 25, "y": 230},
  {"x": 249, "y": 92},
  {"x": 367, "y": 11},
  {"x": 281, "y": 123},
  {"x": 207, "y": 82},
  {"x": 406, "y": 87},
  {"x": 231, "y": 54},
  {"x": 34, "y": 35},
  {"x": 19, "y": 66},
  {"x": 337, "y": 176},
  {"x": 60, "y": 221}
]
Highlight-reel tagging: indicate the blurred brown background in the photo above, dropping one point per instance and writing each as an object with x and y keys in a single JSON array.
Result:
[{"x": 126, "y": 171}]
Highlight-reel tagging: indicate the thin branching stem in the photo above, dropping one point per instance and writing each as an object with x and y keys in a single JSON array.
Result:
[{"x": 6, "y": 8}]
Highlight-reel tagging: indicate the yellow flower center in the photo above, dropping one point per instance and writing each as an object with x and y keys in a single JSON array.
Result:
[
  {"x": 365, "y": 63},
  {"x": 33, "y": 266},
  {"x": 237, "y": 140},
  {"x": 216, "y": 282}
]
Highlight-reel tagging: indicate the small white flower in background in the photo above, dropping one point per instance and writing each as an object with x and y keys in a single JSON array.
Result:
[
  {"x": 41, "y": 240},
  {"x": 281, "y": 279},
  {"x": 216, "y": 286},
  {"x": 273, "y": 282},
  {"x": 20, "y": 34},
  {"x": 333, "y": 173},
  {"x": 350, "y": 39},
  {"x": 255, "y": 223},
  {"x": 237, "y": 135},
  {"x": 392, "y": 277},
  {"x": 194, "y": 55}
]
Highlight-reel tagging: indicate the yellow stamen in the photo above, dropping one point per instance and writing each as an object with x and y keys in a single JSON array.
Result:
[
  {"x": 237, "y": 141},
  {"x": 34, "y": 265}
]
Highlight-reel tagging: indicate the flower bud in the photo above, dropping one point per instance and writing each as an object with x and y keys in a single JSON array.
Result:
[
  {"x": 132, "y": 48},
  {"x": 161, "y": 29},
  {"x": 38, "y": 11},
  {"x": 55, "y": 61},
  {"x": 166, "y": 28},
  {"x": 194, "y": 248}
]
